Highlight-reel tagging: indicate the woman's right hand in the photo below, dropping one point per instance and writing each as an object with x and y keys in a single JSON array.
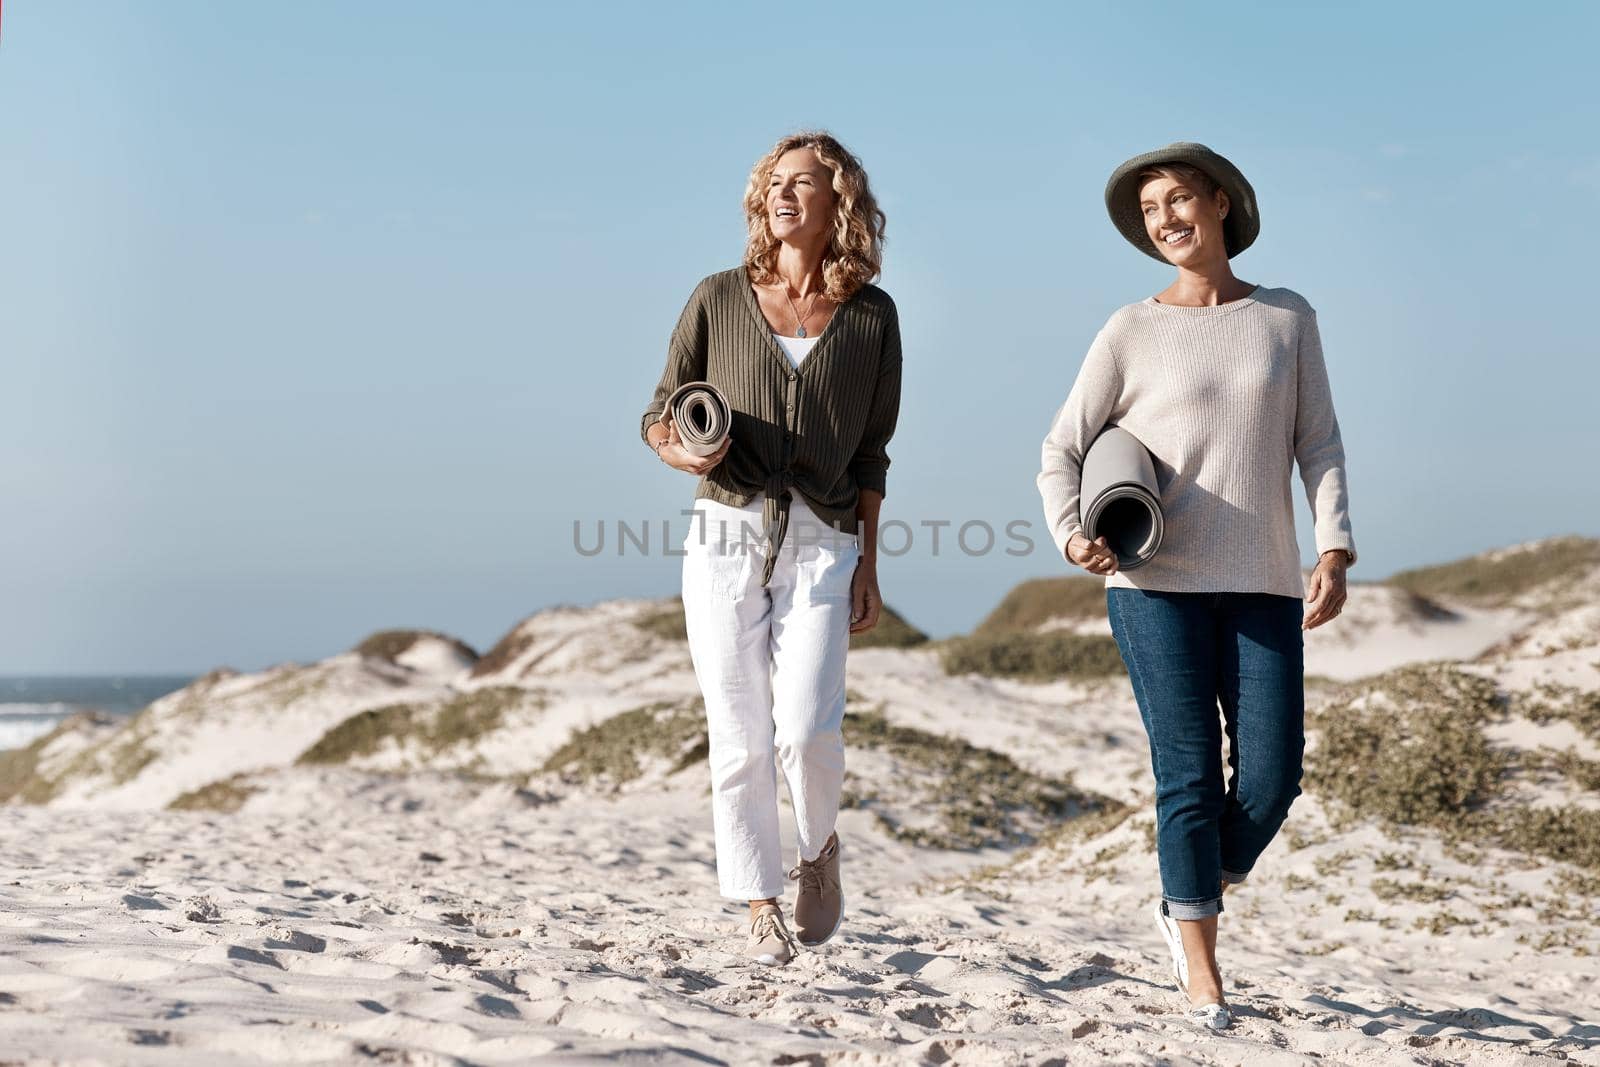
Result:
[
  {"x": 674, "y": 455},
  {"x": 1094, "y": 556}
]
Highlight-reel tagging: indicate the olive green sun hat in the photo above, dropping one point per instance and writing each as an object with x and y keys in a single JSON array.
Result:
[{"x": 1239, "y": 229}]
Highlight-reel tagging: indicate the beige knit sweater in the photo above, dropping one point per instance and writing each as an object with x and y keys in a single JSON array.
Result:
[{"x": 1226, "y": 398}]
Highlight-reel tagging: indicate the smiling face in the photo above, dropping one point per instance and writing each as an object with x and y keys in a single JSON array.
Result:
[
  {"x": 800, "y": 198},
  {"x": 1184, "y": 220}
]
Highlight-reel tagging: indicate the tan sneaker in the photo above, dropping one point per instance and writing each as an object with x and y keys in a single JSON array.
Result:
[
  {"x": 770, "y": 942},
  {"x": 819, "y": 906}
]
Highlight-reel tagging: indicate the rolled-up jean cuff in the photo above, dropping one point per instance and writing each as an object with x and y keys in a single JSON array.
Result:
[
  {"x": 1187, "y": 909},
  {"x": 1234, "y": 877}
]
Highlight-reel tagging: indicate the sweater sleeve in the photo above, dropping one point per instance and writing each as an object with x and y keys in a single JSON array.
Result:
[
  {"x": 870, "y": 464},
  {"x": 1318, "y": 448},
  {"x": 686, "y": 358},
  {"x": 1077, "y": 423}
]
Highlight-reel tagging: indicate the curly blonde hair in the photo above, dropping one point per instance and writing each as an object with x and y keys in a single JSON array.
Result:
[{"x": 855, "y": 251}]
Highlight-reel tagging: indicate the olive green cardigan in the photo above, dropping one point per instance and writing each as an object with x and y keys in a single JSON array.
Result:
[{"x": 822, "y": 428}]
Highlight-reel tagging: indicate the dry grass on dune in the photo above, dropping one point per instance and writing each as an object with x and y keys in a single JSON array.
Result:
[
  {"x": 1039, "y": 600},
  {"x": 20, "y": 774},
  {"x": 619, "y": 749},
  {"x": 1034, "y": 657},
  {"x": 666, "y": 623},
  {"x": 434, "y": 727},
  {"x": 892, "y": 631},
  {"x": 225, "y": 796},
  {"x": 976, "y": 797},
  {"x": 1551, "y": 702},
  {"x": 926, "y": 789},
  {"x": 1408, "y": 748},
  {"x": 505, "y": 652},
  {"x": 389, "y": 645},
  {"x": 1495, "y": 579}
]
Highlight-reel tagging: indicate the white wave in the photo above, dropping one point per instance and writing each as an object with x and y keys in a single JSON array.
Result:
[
  {"x": 16, "y": 731},
  {"x": 34, "y": 711}
]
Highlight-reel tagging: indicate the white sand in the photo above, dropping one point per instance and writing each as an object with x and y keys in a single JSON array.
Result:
[{"x": 349, "y": 915}]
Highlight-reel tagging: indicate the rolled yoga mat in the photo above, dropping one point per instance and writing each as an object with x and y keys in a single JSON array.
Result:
[
  {"x": 1120, "y": 498},
  {"x": 702, "y": 416}
]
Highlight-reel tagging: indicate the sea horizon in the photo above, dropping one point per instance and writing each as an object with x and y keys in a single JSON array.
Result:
[{"x": 31, "y": 705}]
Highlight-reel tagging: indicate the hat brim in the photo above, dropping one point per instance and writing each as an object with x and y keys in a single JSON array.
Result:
[{"x": 1239, "y": 229}]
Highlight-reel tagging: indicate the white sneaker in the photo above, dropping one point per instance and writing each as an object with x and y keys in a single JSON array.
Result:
[
  {"x": 1169, "y": 933},
  {"x": 1210, "y": 1016}
]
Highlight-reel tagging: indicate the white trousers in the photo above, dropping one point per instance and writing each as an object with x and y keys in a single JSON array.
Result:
[{"x": 770, "y": 663}]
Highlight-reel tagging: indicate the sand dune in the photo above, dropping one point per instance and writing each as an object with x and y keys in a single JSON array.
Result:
[{"x": 409, "y": 854}]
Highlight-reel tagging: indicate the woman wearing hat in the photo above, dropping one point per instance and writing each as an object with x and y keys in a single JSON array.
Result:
[
  {"x": 780, "y": 565},
  {"x": 1224, "y": 383}
]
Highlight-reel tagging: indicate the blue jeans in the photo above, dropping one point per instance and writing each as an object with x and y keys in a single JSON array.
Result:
[{"x": 1185, "y": 652}]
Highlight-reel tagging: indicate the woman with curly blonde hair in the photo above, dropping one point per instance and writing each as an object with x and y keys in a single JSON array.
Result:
[{"x": 806, "y": 351}]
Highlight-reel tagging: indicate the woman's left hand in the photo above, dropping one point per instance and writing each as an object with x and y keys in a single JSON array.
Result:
[
  {"x": 1325, "y": 596},
  {"x": 865, "y": 602}
]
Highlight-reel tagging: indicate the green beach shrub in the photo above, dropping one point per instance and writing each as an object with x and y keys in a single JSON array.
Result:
[
  {"x": 1553, "y": 701},
  {"x": 1408, "y": 748}
]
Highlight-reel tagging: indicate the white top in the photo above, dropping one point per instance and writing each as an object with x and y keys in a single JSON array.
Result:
[
  {"x": 1227, "y": 399},
  {"x": 796, "y": 348},
  {"x": 719, "y": 523}
]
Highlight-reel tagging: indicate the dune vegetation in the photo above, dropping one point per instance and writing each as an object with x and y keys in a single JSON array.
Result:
[
  {"x": 21, "y": 777},
  {"x": 431, "y": 727},
  {"x": 1551, "y": 701},
  {"x": 226, "y": 796},
  {"x": 1033, "y": 657},
  {"x": 1495, "y": 579},
  {"x": 892, "y": 630},
  {"x": 976, "y": 797},
  {"x": 1039, "y": 600},
  {"x": 389, "y": 645},
  {"x": 666, "y": 623},
  {"x": 1408, "y": 748},
  {"x": 505, "y": 652},
  {"x": 619, "y": 749}
]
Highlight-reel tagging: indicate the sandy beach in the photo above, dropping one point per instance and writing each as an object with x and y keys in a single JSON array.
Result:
[{"x": 411, "y": 854}]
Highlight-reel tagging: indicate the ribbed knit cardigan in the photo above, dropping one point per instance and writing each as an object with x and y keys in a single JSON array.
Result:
[
  {"x": 1227, "y": 399},
  {"x": 821, "y": 429}
]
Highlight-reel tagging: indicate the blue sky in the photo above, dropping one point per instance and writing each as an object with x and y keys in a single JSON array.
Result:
[{"x": 324, "y": 318}]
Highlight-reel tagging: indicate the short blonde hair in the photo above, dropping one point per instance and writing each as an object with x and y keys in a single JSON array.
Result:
[
  {"x": 1180, "y": 172},
  {"x": 855, "y": 251}
]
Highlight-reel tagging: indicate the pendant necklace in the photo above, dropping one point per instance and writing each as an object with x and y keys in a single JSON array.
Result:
[{"x": 800, "y": 328}]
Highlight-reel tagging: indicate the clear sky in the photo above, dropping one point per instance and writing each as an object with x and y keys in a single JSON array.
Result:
[{"x": 322, "y": 318}]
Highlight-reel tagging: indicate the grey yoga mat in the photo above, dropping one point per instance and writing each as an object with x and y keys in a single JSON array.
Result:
[
  {"x": 1120, "y": 499},
  {"x": 702, "y": 416}
]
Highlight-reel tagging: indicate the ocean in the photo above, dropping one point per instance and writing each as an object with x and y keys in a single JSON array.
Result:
[{"x": 31, "y": 706}]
